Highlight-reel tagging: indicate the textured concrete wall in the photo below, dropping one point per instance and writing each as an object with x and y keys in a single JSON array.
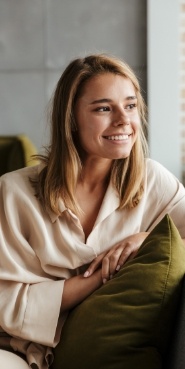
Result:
[{"x": 39, "y": 37}]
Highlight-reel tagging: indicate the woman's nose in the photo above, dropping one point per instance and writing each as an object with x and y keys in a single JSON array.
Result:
[{"x": 121, "y": 119}]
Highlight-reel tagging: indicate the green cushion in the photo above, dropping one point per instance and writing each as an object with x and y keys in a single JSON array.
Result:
[{"x": 126, "y": 324}]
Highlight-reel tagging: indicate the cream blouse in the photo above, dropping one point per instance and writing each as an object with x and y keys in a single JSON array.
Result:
[{"x": 39, "y": 250}]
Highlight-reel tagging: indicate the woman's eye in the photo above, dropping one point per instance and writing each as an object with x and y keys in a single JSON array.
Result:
[
  {"x": 130, "y": 106},
  {"x": 103, "y": 108}
]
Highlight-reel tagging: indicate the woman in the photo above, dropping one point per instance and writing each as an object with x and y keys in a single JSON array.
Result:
[{"x": 69, "y": 224}]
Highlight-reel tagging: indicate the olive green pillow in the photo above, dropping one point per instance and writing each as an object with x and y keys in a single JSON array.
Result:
[{"x": 126, "y": 324}]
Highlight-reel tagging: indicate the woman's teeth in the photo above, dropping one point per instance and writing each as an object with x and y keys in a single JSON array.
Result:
[{"x": 120, "y": 137}]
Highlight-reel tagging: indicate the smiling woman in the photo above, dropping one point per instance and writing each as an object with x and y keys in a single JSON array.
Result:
[{"x": 70, "y": 223}]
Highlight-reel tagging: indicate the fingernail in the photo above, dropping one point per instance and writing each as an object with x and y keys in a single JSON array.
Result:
[
  {"x": 118, "y": 267},
  {"x": 104, "y": 280},
  {"x": 86, "y": 274}
]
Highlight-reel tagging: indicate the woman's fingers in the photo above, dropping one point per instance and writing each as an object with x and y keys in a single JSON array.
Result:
[
  {"x": 94, "y": 265},
  {"x": 105, "y": 269},
  {"x": 110, "y": 262},
  {"x": 126, "y": 254},
  {"x": 114, "y": 258}
]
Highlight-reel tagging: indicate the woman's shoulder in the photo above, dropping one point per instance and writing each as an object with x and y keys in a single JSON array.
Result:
[
  {"x": 155, "y": 168},
  {"x": 19, "y": 178},
  {"x": 159, "y": 176},
  {"x": 152, "y": 164}
]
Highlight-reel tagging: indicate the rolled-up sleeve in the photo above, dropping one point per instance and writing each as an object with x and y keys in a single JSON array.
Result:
[
  {"x": 30, "y": 298},
  {"x": 40, "y": 321}
]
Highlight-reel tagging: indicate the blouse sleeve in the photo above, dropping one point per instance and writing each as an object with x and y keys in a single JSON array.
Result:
[
  {"x": 30, "y": 300},
  {"x": 164, "y": 195}
]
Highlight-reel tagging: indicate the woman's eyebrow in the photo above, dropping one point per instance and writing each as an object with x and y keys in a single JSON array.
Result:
[
  {"x": 131, "y": 98},
  {"x": 104, "y": 100},
  {"x": 101, "y": 101}
]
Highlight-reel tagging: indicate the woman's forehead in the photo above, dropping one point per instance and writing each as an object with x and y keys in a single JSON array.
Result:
[{"x": 107, "y": 85}]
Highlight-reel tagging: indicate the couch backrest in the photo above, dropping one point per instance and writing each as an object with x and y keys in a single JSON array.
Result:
[{"x": 15, "y": 153}]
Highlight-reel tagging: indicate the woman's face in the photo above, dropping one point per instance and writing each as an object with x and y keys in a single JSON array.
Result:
[{"x": 107, "y": 117}]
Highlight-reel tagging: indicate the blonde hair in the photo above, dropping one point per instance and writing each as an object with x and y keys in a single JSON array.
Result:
[{"x": 63, "y": 164}]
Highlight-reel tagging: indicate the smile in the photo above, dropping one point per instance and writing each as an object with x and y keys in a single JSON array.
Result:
[{"x": 117, "y": 137}]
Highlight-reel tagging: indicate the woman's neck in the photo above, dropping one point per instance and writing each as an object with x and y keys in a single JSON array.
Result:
[{"x": 95, "y": 174}]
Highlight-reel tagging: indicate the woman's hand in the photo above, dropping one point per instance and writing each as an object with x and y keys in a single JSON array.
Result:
[{"x": 111, "y": 261}]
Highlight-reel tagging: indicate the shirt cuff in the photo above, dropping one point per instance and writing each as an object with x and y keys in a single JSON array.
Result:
[{"x": 41, "y": 321}]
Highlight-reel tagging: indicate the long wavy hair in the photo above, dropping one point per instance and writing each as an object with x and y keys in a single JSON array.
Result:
[{"x": 62, "y": 161}]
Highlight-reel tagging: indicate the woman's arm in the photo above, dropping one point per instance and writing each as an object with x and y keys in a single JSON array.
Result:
[
  {"x": 77, "y": 288},
  {"x": 111, "y": 261}
]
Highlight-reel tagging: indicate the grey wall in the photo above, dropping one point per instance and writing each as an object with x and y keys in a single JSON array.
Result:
[{"x": 39, "y": 37}]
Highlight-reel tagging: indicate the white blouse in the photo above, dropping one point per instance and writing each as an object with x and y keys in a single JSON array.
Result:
[{"x": 39, "y": 250}]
